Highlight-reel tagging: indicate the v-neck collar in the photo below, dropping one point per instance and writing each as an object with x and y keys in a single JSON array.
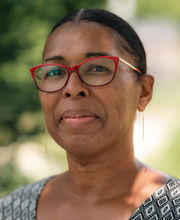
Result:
[{"x": 148, "y": 207}]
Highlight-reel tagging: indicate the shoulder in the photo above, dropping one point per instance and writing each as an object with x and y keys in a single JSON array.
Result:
[
  {"x": 21, "y": 202},
  {"x": 164, "y": 203}
]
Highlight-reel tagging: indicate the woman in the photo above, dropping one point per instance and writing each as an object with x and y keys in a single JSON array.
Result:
[{"x": 91, "y": 83}]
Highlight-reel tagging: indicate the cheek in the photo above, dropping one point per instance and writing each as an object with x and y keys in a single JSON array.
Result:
[
  {"x": 48, "y": 103},
  {"x": 122, "y": 100}
]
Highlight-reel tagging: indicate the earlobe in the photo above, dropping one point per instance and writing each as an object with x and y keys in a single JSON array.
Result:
[{"x": 147, "y": 82}]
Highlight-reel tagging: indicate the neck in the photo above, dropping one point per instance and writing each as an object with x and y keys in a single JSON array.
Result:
[{"x": 103, "y": 177}]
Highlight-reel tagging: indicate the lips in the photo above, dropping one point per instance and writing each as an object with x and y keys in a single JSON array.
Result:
[{"x": 78, "y": 118}]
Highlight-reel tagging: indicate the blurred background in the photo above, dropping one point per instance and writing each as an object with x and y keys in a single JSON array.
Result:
[{"x": 27, "y": 153}]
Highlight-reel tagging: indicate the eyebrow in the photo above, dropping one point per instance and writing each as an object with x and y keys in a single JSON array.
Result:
[
  {"x": 97, "y": 54},
  {"x": 58, "y": 57},
  {"x": 88, "y": 55}
]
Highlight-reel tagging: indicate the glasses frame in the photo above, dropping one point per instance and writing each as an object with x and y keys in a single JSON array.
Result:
[{"x": 75, "y": 68}]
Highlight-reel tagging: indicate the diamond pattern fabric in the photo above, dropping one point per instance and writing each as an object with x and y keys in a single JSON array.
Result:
[{"x": 164, "y": 204}]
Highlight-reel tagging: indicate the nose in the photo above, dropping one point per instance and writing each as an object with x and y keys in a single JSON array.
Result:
[{"x": 75, "y": 88}]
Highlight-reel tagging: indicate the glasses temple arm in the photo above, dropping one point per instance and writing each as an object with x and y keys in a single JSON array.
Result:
[{"x": 130, "y": 65}]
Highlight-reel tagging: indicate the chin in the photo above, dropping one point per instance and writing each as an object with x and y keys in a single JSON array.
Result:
[{"x": 80, "y": 147}]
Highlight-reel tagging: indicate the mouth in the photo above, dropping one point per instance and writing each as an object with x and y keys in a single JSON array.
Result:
[{"x": 78, "y": 118}]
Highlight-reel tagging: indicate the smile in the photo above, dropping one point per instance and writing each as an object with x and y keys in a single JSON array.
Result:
[{"x": 76, "y": 119}]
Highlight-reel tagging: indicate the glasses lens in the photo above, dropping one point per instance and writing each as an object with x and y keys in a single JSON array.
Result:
[
  {"x": 97, "y": 72},
  {"x": 51, "y": 77}
]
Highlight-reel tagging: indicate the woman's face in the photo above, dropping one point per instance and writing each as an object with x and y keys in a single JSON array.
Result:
[{"x": 87, "y": 120}]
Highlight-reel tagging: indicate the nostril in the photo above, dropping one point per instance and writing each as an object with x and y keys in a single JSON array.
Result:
[
  {"x": 82, "y": 94},
  {"x": 67, "y": 95}
]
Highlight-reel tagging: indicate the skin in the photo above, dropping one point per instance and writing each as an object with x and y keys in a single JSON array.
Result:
[{"x": 104, "y": 180}]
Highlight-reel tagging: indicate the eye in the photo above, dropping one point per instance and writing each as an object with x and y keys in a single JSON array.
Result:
[
  {"x": 98, "y": 69},
  {"x": 55, "y": 72}
]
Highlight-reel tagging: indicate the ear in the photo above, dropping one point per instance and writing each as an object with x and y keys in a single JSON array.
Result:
[{"x": 147, "y": 82}]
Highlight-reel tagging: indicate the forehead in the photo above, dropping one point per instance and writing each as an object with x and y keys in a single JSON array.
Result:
[{"x": 72, "y": 39}]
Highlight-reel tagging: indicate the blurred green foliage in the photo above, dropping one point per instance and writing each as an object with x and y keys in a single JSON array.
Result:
[
  {"x": 167, "y": 160},
  {"x": 165, "y": 8},
  {"x": 166, "y": 157},
  {"x": 10, "y": 178}
]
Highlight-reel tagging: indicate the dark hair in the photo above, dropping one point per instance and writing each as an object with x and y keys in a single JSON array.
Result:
[{"x": 112, "y": 21}]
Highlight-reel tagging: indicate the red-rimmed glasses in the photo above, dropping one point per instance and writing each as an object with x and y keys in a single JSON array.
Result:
[{"x": 98, "y": 71}]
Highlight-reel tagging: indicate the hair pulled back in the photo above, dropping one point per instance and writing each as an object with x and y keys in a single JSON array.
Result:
[{"x": 112, "y": 21}]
